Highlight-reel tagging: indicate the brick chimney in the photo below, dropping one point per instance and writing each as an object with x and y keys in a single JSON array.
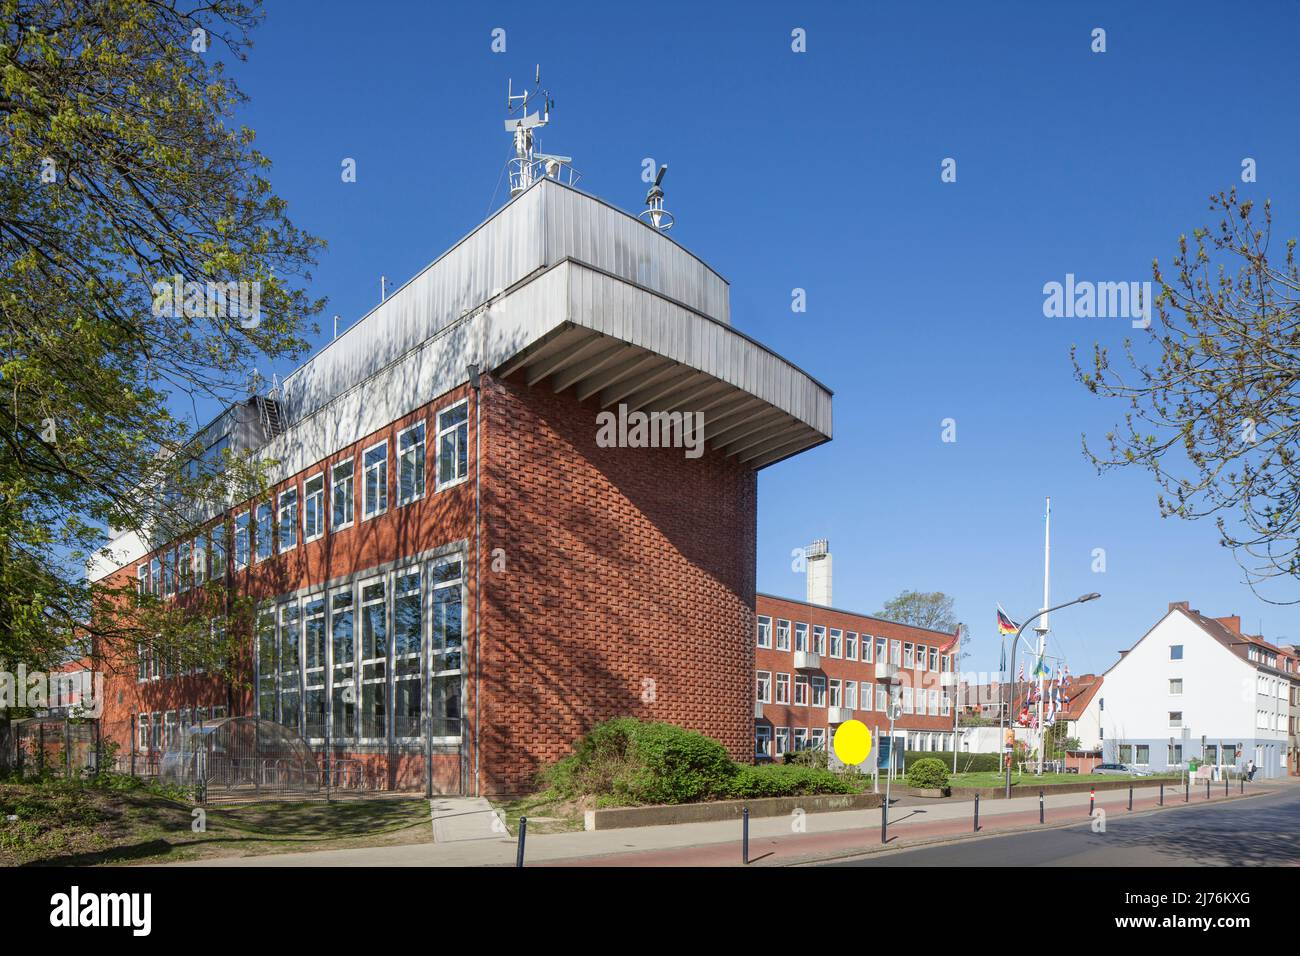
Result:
[{"x": 1232, "y": 622}]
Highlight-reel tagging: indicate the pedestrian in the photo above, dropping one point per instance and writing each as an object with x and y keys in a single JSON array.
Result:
[{"x": 1250, "y": 771}]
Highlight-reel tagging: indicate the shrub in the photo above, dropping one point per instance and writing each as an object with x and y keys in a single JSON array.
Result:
[
  {"x": 629, "y": 761},
  {"x": 928, "y": 773},
  {"x": 809, "y": 758},
  {"x": 788, "y": 780}
]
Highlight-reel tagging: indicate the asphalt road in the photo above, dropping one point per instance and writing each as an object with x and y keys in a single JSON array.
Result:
[{"x": 1262, "y": 831}]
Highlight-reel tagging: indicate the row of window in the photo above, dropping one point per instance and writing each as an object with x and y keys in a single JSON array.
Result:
[
  {"x": 161, "y": 730},
  {"x": 847, "y": 645},
  {"x": 153, "y": 665},
  {"x": 352, "y": 662},
  {"x": 275, "y": 527},
  {"x": 817, "y": 691},
  {"x": 775, "y": 741}
]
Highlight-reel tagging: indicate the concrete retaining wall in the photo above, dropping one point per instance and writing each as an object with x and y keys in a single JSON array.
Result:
[{"x": 619, "y": 817}]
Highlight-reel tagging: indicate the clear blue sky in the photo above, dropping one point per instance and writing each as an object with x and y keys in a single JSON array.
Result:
[{"x": 821, "y": 170}]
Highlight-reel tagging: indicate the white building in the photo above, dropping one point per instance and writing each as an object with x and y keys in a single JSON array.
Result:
[{"x": 1197, "y": 687}]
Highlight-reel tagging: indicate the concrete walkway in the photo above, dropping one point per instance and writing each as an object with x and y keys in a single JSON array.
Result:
[{"x": 772, "y": 841}]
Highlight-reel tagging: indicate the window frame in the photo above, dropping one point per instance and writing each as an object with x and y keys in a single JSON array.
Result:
[
  {"x": 421, "y": 458},
  {"x": 438, "y": 483},
  {"x": 279, "y": 519},
  {"x": 763, "y": 626},
  {"x": 366, "y": 515},
  {"x": 351, "y": 483},
  {"x": 306, "y": 497}
]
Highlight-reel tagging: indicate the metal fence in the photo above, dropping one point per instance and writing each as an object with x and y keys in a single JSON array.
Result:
[{"x": 49, "y": 746}]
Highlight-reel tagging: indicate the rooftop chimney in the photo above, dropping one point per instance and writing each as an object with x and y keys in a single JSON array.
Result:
[{"x": 818, "y": 558}]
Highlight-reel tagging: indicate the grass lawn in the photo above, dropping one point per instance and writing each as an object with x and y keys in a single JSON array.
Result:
[
  {"x": 545, "y": 813},
  {"x": 1031, "y": 781},
  {"x": 70, "y": 824}
]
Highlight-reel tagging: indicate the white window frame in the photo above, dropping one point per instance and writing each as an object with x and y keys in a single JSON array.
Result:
[
  {"x": 781, "y": 741},
  {"x": 763, "y": 637},
  {"x": 439, "y": 484},
  {"x": 279, "y": 519},
  {"x": 763, "y": 735},
  {"x": 763, "y": 687},
  {"x": 782, "y": 680},
  {"x": 782, "y": 645},
  {"x": 836, "y": 644},
  {"x": 366, "y": 514},
  {"x": 359, "y": 631},
  {"x": 868, "y": 648},
  {"x": 850, "y": 645},
  {"x": 247, "y": 516},
  {"x": 817, "y": 685},
  {"x": 800, "y": 681},
  {"x": 819, "y": 639},
  {"x": 320, "y": 511},
  {"x": 800, "y": 636},
  {"x": 401, "y": 458},
  {"x": 350, "y": 482},
  {"x": 257, "y": 531}
]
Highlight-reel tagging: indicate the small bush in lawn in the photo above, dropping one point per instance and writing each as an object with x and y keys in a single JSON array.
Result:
[{"x": 928, "y": 773}]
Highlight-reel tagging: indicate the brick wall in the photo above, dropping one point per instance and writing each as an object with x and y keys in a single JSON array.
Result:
[{"x": 628, "y": 585}]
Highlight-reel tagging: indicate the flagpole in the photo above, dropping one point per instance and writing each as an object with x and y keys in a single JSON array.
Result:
[{"x": 1042, "y": 625}]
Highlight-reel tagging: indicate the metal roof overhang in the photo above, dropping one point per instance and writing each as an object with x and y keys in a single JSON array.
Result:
[{"x": 622, "y": 344}]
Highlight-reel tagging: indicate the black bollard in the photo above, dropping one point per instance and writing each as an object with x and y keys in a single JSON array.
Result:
[
  {"x": 1092, "y": 801},
  {"x": 1207, "y": 790},
  {"x": 744, "y": 836},
  {"x": 977, "y": 813},
  {"x": 884, "y": 821},
  {"x": 523, "y": 834},
  {"x": 1130, "y": 796},
  {"x": 1187, "y": 790},
  {"x": 1040, "y": 806},
  {"x": 1225, "y": 786},
  {"x": 1162, "y": 794}
]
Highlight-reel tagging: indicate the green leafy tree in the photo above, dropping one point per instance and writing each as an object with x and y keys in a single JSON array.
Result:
[
  {"x": 1212, "y": 407},
  {"x": 931, "y": 609},
  {"x": 122, "y": 173}
]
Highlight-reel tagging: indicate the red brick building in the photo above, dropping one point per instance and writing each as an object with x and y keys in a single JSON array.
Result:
[
  {"x": 818, "y": 666},
  {"x": 457, "y": 557}
]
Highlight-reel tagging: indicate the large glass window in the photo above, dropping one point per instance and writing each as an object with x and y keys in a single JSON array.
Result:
[
  {"x": 343, "y": 701},
  {"x": 200, "y": 559},
  {"x": 764, "y": 632},
  {"x": 313, "y": 508},
  {"x": 782, "y": 635},
  {"x": 408, "y": 617},
  {"x": 374, "y": 661},
  {"x": 266, "y": 664},
  {"x": 169, "y": 573},
  {"x": 453, "y": 441},
  {"x": 265, "y": 536},
  {"x": 374, "y": 469},
  {"x": 314, "y": 699},
  {"x": 155, "y": 576},
  {"x": 288, "y": 520},
  {"x": 445, "y": 647},
  {"x": 410, "y": 464},
  {"x": 184, "y": 566},
  {"x": 800, "y": 636},
  {"x": 290, "y": 667},
  {"x": 341, "y": 495}
]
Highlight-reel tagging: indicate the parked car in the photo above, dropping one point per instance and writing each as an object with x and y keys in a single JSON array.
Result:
[{"x": 1122, "y": 769}]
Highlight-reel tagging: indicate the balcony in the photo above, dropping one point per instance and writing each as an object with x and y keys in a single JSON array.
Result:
[
  {"x": 838, "y": 715},
  {"x": 807, "y": 661},
  {"x": 887, "y": 672}
]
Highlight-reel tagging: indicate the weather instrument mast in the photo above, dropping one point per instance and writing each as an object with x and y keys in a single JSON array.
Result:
[
  {"x": 655, "y": 213},
  {"x": 527, "y": 165}
]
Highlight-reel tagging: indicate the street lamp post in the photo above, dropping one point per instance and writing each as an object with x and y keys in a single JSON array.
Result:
[
  {"x": 894, "y": 710},
  {"x": 1047, "y": 610}
]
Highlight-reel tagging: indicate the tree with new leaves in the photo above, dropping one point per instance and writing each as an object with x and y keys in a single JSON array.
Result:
[
  {"x": 929, "y": 609},
  {"x": 1212, "y": 391},
  {"x": 123, "y": 172}
]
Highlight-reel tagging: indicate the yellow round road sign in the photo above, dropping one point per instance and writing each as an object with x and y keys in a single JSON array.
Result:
[{"x": 852, "y": 742}]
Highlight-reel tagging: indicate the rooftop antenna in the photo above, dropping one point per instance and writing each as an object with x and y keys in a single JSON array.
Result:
[
  {"x": 383, "y": 288},
  {"x": 527, "y": 165},
  {"x": 655, "y": 213}
]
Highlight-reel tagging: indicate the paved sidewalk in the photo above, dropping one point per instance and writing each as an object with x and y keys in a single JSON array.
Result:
[{"x": 772, "y": 840}]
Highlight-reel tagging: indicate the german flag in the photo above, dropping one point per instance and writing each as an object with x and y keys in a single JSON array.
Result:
[{"x": 1005, "y": 624}]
